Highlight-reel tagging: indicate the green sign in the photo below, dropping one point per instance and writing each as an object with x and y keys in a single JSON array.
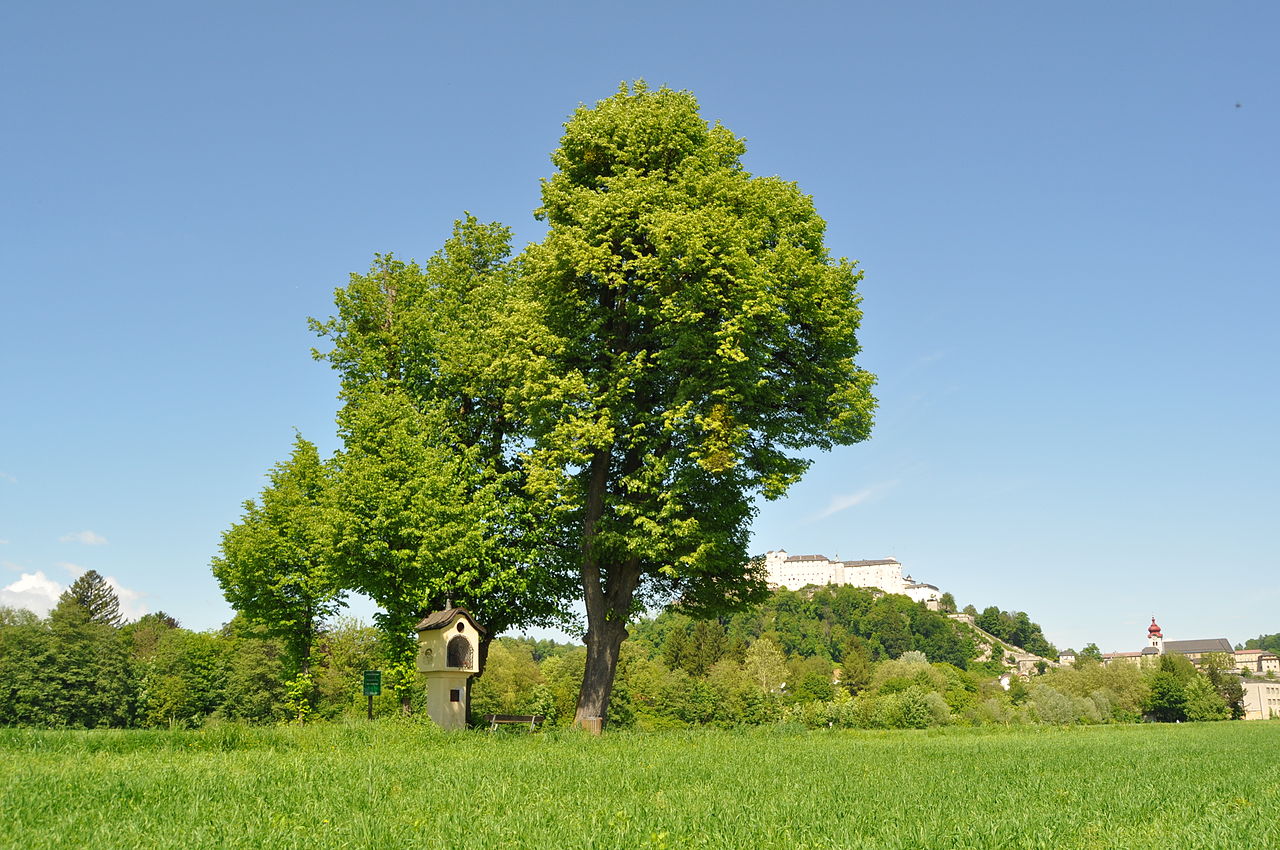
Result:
[{"x": 372, "y": 683}]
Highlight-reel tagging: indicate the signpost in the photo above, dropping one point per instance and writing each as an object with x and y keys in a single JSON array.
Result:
[{"x": 372, "y": 687}]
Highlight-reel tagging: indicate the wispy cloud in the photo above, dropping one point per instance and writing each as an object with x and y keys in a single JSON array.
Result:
[
  {"x": 88, "y": 538},
  {"x": 844, "y": 501},
  {"x": 75, "y": 569},
  {"x": 4, "y": 476},
  {"x": 131, "y": 604},
  {"x": 4, "y": 542}
]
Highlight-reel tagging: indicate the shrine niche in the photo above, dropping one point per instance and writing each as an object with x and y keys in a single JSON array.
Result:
[{"x": 448, "y": 646}]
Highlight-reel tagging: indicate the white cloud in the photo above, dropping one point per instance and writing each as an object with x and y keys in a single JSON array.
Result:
[
  {"x": 34, "y": 591},
  {"x": 88, "y": 538},
  {"x": 3, "y": 542},
  {"x": 39, "y": 593},
  {"x": 75, "y": 569},
  {"x": 4, "y": 476},
  {"x": 131, "y": 605},
  {"x": 848, "y": 500}
]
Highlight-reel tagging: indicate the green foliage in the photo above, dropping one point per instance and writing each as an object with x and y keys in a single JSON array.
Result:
[
  {"x": 848, "y": 625},
  {"x": 511, "y": 681},
  {"x": 1220, "y": 670},
  {"x": 91, "y": 591},
  {"x": 438, "y": 379},
  {"x": 257, "y": 686},
  {"x": 67, "y": 670},
  {"x": 1178, "y": 666},
  {"x": 1123, "y": 689},
  {"x": 276, "y": 564},
  {"x": 1053, "y": 706},
  {"x": 184, "y": 681},
  {"x": 703, "y": 339},
  {"x": 765, "y": 665},
  {"x": 1270, "y": 643},
  {"x": 1167, "y": 701},
  {"x": 1016, "y": 628},
  {"x": 1203, "y": 702},
  {"x": 348, "y": 647}
]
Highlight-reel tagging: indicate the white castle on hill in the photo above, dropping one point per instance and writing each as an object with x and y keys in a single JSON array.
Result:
[{"x": 796, "y": 571}]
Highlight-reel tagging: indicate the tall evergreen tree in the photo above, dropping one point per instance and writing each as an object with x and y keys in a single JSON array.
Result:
[{"x": 92, "y": 592}]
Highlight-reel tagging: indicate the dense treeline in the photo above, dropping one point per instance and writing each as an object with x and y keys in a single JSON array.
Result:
[
  {"x": 841, "y": 624},
  {"x": 1015, "y": 628},
  {"x": 1270, "y": 643},
  {"x": 827, "y": 657},
  {"x": 767, "y": 685},
  {"x": 845, "y": 657},
  {"x": 81, "y": 667}
]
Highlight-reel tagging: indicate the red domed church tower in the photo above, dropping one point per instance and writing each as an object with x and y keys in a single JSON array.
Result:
[{"x": 1154, "y": 636}]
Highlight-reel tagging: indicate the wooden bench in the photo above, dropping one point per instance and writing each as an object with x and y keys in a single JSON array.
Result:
[{"x": 494, "y": 720}]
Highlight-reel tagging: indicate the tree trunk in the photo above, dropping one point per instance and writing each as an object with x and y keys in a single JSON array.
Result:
[
  {"x": 603, "y": 647},
  {"x": 608, "y": 593}
]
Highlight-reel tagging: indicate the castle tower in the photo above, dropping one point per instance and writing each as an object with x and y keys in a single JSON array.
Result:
[{"x": 1154, "y": 637}]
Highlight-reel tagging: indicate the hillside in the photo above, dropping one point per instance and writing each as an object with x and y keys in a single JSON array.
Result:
[{"x": 838, "y": 623}]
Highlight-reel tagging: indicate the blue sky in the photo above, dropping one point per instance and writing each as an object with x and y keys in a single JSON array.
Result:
[{"x": 1067, "y": 216}]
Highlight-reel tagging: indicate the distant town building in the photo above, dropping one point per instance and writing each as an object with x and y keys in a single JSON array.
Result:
[
  {"x": 1261, "y": 699},
  {"x": 1246, "y": 660},
  {"x": 1257, "y": 661},
  {"x": 1194, "y": 650},
  {"x": 796, "y": 571}
]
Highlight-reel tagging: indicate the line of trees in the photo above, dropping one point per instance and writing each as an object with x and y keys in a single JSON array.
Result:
[
  {"x": 1013, "y": 627},
  {"x": 821, "y": 661},
  {"x": 593, "y": 417},
  {"x": 81, "y": 666},
  {"x": 826, "y": 657},
  {"x": 1270, "y": 643}
]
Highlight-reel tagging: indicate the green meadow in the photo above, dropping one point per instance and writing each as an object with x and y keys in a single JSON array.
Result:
[{"x": 392, "y": 784}]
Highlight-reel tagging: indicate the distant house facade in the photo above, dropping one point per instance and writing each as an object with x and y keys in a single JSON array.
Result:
[
  {"x": 796, "y": 571},
  {"x": 1261, "y": 699},
  {"x": 1257, "y": 661}
]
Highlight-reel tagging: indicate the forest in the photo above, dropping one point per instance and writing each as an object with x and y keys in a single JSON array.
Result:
[{"x": 836, "y": 656}]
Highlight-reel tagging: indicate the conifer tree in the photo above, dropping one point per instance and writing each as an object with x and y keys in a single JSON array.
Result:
[{"x": 92, "y": 592}]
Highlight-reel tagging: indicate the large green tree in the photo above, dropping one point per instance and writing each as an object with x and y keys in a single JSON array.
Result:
[
  {"x": 439, "y": 380},
  {"x": 705, "y": 342},
  {"x": 275, "y": 565}
]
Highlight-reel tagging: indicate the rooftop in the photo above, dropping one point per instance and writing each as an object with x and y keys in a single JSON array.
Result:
[
  {"x": 441, "y": 619},
  {"x": 1203, "y": 645}
]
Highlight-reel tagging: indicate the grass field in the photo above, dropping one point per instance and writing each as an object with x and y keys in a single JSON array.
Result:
[{"x": 398, "y": 784}]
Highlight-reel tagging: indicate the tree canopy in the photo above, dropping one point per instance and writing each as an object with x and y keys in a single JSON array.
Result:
[
  {"x": 706, "y": 339},
  {"x": 603, "y": 409},
  {"x": 92, "y": 593},
  {"x": 275, "y": 566},
  {"x": 439, "y": 379}
]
